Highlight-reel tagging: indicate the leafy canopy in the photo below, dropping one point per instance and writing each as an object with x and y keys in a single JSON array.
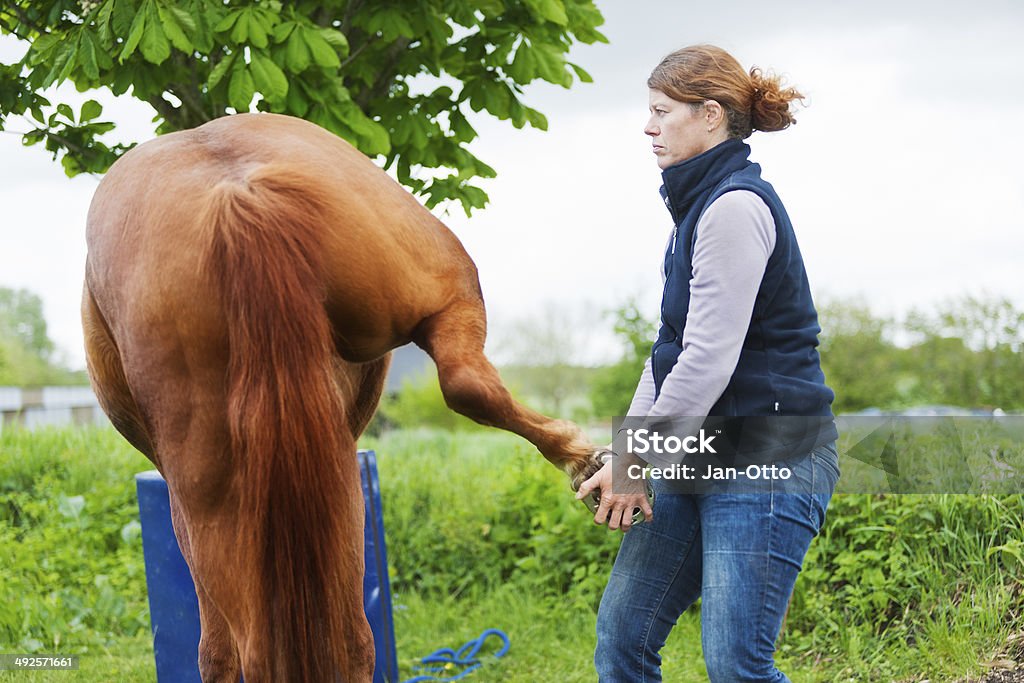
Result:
[{"x": 347, "y": 65}]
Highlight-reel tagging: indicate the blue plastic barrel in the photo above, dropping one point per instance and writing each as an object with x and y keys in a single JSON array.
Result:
[{"x": 174, "y": 608}]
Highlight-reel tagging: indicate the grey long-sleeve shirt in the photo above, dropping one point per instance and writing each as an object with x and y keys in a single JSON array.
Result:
[{"x": 735, "y": 237}]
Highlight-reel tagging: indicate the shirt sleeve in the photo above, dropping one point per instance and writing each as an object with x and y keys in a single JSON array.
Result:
[
  {"x": 643, "y": 397},
  {"x": 735, "y": 238}
]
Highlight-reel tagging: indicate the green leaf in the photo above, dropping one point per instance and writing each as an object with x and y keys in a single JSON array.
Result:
[
  {"x": 269, "y": 79},
  {"x": 33, "y": 137},
  {"x": 123, "y": 17},
  {"x": 297, "y": 102},
  {"x": 282, "y": 31},
  {"x": 175, "y": 28},
  {"x": 183, "y": 18},
  {"x": 59, "y": 61},
  {"x": 228, "y": 21},
  {"x": 154, "y": 44},
  {"x": 90, "y": 110},
  {"x": 551, "y": 10},
  {"x": 389, "y": 23},
  {"x": 375, "y": 137},
  {"x": 296, "y": 53},
  {"x": 202, "y": 38},
  {"x": 241, "y": 89},
  {"x": 523, "y": 68},
  {"x": 336, "y": 39},
  {"x": 551, "y": 64},
  {"x": 65, "y": 111},
  {"x": 135, "y": 35},
  {"x": 103, "y": 21},
  {"x": 536, "y": 119},
  {"x": 240, "y": 33},
  {"x": 323, "y": 54},
  {"x": 489, "y": 7},
  {"x": 220, "y": 70},
  {"x": 460, "y": 126},
  {"x": 87, "y": 56},
  {"x": 258, "y": 30},
  {"x": 41, "y": 47},
  {"x": 580, "y": 73},
  {"x": 497, "y": 99},
  {"x": 518, "y": 114}
]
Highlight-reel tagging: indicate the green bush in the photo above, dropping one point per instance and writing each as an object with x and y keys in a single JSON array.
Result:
[
  {"x": 419, "y": 403},
  {"x": 485, "y": 509},
  {"x": 896, "y": 585},
  {"x": 72, "y": 567}
]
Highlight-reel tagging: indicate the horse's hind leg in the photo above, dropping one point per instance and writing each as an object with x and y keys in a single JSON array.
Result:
[
  {"x": 218, "y": 656},
  {"x": 108, "y": 379},
  {"x": 454, "y": 338},
  {"x": 363, "y": 382}
]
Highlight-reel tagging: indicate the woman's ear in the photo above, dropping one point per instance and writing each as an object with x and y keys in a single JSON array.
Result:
[{"x": 715, "y": 114}]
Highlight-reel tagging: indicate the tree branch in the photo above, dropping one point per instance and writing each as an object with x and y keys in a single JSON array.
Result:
[
  {"x": 165, "y": 109},
  {"x": 24, "y": 19},
  {"x": 71, "y": 146},
  {"x": 189, "y": 94},
  {"x": 386, "y": 75},
  {"x": 358, "y": 51},
  {"x": 346, "y": 21}
]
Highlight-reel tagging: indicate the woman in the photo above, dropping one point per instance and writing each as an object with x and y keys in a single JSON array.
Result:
[{"x": 738, "y": 338}]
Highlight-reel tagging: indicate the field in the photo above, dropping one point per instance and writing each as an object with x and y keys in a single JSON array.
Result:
[{"x": 482, "y": 533}]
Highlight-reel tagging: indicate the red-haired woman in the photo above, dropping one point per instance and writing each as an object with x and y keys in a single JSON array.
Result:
[{"x": 738, "y": 339}]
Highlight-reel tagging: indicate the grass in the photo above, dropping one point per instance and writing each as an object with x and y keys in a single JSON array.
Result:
[{"x": 482, "y": 533}]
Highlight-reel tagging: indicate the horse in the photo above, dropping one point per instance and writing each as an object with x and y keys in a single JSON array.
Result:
[{"x": 245, "y": 283}]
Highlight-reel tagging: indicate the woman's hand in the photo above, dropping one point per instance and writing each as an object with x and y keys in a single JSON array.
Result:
[{"x": 616, "y": 507}]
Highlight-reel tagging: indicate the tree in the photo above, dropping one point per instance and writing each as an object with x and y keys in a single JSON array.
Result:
[
  {"x": 539, "y": 353},
  {"x": 22, "y": 320},
  {"x": 971, "y": 352},
  {"x": 614, "y": 386},
  {"x": 860, "y": 361},
  {"x": 354, "y": 67},
  {"x": 26, "y": 350}
]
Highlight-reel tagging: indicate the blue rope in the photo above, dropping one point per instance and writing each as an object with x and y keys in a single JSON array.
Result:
[{"x": 447, "y": 658}]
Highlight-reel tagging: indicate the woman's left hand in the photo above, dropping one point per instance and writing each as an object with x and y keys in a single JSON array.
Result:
[{"x": 616, "y": 507}]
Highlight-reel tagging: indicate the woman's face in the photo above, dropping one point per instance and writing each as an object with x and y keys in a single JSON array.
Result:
[{"x": 677, "y": 130}]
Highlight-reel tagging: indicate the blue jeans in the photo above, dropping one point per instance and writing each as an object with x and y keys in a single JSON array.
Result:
[{"x": 739, "y": 552}]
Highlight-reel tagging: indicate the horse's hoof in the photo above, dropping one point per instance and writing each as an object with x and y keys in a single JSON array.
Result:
[
  {"x": 593, "y": 501},
  {"x": 596, "y": 461}
]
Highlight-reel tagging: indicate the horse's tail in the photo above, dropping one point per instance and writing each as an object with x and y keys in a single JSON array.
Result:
[{"x": 296, "y": 472}]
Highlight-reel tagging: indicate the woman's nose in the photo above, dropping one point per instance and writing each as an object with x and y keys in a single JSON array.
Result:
[{"x": 650, "y": 129}]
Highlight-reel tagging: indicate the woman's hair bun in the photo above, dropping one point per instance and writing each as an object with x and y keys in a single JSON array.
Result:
[{"x": 770, "y": 103}]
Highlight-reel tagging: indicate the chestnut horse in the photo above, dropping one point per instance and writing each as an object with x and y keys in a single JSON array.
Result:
[{"x": 245, "y": 283}]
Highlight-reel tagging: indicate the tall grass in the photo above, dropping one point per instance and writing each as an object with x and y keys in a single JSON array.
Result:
[{"x": 482, "y": 532}]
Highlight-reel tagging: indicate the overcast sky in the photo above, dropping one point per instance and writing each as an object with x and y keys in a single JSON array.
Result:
[{"x": 902, "y": 176}]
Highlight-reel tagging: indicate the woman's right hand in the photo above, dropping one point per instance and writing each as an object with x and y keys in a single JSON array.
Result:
[{"x": 616, "y": 507}]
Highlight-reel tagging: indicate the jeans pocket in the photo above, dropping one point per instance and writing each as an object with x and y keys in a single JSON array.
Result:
[
  {"x": 825, "y": 476},
  {"x": 825, "y": 460}
]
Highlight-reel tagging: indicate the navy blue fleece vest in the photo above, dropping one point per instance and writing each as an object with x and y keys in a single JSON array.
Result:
[{"x": 778, "y": 372}]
